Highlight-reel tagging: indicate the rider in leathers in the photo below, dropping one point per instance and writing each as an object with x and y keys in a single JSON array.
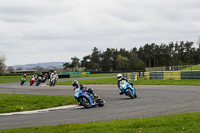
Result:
[
  {"x": 34, "y": 76},
  {"x": 54, "y": 75},
  {"x": 75, "y": 84},
  {"x": 120, "y": 78},
  {"x": 23, "y": 76}
]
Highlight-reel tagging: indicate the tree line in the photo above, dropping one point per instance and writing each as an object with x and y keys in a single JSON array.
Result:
[{"x": 149, "y": 55}]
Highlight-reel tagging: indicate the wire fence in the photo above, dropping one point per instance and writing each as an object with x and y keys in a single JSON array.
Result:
[{"x": 168, "y": 68}]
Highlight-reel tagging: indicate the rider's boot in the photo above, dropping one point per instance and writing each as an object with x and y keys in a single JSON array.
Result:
[{"x": 120, "y": 92}]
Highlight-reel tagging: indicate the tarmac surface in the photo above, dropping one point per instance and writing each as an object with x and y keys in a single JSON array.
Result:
[{"x": 153, "y": 100}]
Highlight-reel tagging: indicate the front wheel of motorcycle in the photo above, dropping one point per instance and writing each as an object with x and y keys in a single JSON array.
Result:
[
  {"x": 85, "y": 102},
  {"x": 130, "y": 94},
  {"x": 22, "y": 83},
  {"x": 37, "y": 84},
  {"x": 135, "y": 95},
  {"x": 54, "y": 83},
  {"x": 100, "y": 102}
]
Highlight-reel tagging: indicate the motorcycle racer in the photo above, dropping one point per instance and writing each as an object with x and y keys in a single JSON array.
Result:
[
  {"x": 23, "y": 76},
  {"x": 120, "y": 78},
  {"x": 75, "y": 84},
  {"x": 85, "y": 96},
  {"x": 54, "y": 75},
  {"x": 33, "y": 76}
]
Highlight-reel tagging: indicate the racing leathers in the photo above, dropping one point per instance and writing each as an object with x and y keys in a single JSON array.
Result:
[
  {"x": 89, "y": 90},
  {"x": 118, "y": 84},
  {"x": 23, "y": 76},
  {"x": 52, "y": 76},
  {"x": 34, "y": 76}
]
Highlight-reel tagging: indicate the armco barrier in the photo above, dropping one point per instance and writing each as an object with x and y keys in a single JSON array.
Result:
[
  {"x": 131, "y": 76},
  {"x": 175, "y": 75},
  {"x": 172, "y": 75}
]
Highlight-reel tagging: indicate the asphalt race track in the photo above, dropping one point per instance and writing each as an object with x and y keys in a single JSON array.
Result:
[{"x": 152, "y": 101}]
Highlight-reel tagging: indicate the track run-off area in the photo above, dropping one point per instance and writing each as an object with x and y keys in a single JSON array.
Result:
[{"x": 152, "y": 100}]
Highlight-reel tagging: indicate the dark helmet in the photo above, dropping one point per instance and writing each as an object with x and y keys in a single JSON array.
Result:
[
  {"x": 75, "y": 83},
  {"x": 90, "y": 90}
]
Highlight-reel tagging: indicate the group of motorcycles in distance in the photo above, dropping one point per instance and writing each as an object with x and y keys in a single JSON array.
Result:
[{"x": 38, "y": 80}]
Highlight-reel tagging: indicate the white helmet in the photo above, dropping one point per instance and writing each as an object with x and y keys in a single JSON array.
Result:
[{"x": 119, "y": 76}]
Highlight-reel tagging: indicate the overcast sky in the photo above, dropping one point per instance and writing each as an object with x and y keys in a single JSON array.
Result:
[{"x": 35, "y": 31}]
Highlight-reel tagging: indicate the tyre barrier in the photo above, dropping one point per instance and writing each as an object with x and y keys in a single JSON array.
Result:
[
  {"x": 131, "y": 76},
  {"x": 175, "y": 75}
]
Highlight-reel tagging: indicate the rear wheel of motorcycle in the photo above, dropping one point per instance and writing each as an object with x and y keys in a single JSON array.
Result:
[
  {"x": 130, "y": 94},
  {"x": 85, "y": 102},
  {"x": 100, "y": 102}
]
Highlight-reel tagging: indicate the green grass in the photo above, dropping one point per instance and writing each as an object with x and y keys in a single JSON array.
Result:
[
  {"x": 167, "y": 82},
  {"x": 141, "y": 81},
  {"x": 10, "y": 79},
  {"x": 196, "y": 67},
  {"x": 94, "y": 75},
  {"x": 20, "y": 102},
  {"x": 91, "y": 81},
  {"x": 178, "y": 123}
]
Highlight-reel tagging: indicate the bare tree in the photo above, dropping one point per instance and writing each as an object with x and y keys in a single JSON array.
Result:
[
  {"x": 2, "y": 63},
  {"x": 38, "y": 68},
  {"x": 10, "y": 69},
  {"x": 19, "y": 68}
]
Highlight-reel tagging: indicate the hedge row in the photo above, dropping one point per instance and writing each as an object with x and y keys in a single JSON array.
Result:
[{"x": 15, "y": 74}]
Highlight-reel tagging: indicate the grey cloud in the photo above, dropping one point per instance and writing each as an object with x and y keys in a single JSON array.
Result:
[{"x": 73, "y": 28}]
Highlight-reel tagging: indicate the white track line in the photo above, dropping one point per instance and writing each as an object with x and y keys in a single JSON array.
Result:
[{"x": 40, "y": 111}]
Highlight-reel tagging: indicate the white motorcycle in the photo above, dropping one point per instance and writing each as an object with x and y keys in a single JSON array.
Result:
[{"x": 52, "y": 82}]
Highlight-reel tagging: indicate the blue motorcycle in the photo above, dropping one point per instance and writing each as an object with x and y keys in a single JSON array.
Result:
[
  {"x": 87, "y": 98},
  {"x": 128, "y": 89}
]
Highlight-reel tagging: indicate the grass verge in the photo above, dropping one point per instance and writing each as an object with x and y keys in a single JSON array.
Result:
[
  {"x": 179, "y": 123},
  {"x": 94, "y": 75},
  {"x": 10, "y": 79},
  {"x": 196, "y": 67},
  {"x": 21, "y": 102},
  {"x": 141, "y": 81}
]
